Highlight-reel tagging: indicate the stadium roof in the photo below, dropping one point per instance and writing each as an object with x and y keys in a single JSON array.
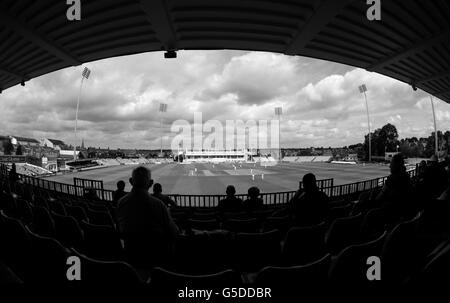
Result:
[
  {"x": 411, "y": 42},
  {"x": 23, "y": 139},
  {"x": 57, "y": 142}
]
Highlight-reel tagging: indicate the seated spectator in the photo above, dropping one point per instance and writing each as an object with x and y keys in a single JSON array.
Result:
[
  {"x": 434, "y": 179},
  {"x": 254, "y": 202},
  {"x": 119, "y": 192},
  {"x": 397, "y": 192},
  {"x": 91, "y": 194},
  {"x": 311, "y": 206},
  {"x": 157, "y": 193},
  {"x": 146, "y": 226},
  {"x": 231, "y": 202}
]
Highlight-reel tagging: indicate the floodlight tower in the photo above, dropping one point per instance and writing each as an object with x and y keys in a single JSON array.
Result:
[
  {"x": 162, "y": 110},
  {"x": 85, "y": 75},
  {"x": 436, "y": 143},
  {"x": 278, "y": 113},
  {"x": 363, "y": 90}
]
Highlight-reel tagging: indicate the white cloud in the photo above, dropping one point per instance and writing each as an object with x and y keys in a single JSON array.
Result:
[{"x": 119, "y": 106}]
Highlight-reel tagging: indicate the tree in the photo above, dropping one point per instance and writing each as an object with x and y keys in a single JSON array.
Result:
[
  {"x": 19, "y": 151},
  {"x": 383, "y": 140},
  {"x": 8, "y": 147},
  {"x": 389, "y": 137}
]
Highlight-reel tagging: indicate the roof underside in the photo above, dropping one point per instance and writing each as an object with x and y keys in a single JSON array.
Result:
[{"x": 411, "y": 43}]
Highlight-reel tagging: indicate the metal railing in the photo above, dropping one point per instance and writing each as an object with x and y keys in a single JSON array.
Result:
[{"x": 335, "y": 192}]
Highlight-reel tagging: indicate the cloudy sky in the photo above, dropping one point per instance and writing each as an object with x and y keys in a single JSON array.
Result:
[{"x": 119, "y": 106}]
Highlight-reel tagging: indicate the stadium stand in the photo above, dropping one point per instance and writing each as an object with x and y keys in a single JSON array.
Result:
[
  {"x": 322, "y": 159},
  {"x": 31, "y": 170},
  {"x": 256, "y": 247}
]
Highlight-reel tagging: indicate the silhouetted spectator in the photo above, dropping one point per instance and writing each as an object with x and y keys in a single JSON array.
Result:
[
  {"x": 119, "y": 192},
  {"x": 421, "y": 169},
  {"x": 397, "y": 192},
  {"x": 231, "y": 202},
  {"x": 311, "y": 206},
  {"x": 254, "y": 202},
  {"x": 157, "y": 192},
  {"x": 91, "y": 194},
  {"x": 13, "y": 177},
  {"x": 435, "y": 178},
  {"x": 145, "y": 223}
]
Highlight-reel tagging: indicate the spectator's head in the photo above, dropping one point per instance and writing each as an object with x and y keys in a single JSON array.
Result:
[
  {"x": 121, "y": 185},
  {"x": 397, "y": 164},
  {"x": 157, "y": 188},
  {"x": 434, "y": 159},
  {"x": 91, "y": 193},
  {"x": 231, "y": 191},
  {"x": 253, "y": 192},
  {"x": 141, "y": 178},
  {"x": 309, "y": 182}
]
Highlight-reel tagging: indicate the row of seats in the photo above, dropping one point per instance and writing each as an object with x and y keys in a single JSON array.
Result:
[
  {"x": 38, "y": 258},
  {"x": 276, "y": 252}
]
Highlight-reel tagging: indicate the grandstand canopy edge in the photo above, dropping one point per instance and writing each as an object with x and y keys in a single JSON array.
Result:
[{"x": 410, "y": 43}]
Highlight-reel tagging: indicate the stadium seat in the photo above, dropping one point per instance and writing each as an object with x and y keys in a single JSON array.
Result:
[
  {"x": 204, "y": 252},
  {"x": 235, "y": 215},
  {"x": 339, "y": 212},
  {"x": 8, "y": 205},
  {"x": 304, "y": 244},
  {"x": 100, "y": 218},
  {"x": 57, "y": 207},
  {"x": 43, "y": 223},
  {"x": 400, "y": 252},
  {"x": 68, "y": 231},
  {"x": 107, "y": 272},
  {"x": 101, "y": 242},
  {"x": 280, "y": 223},
  {"x": 15, "y": 243},
  {"x": 262, "y": 214},
  {"x": 97, "y": 206},
  {"x": 204, "y": 215},
  {"x": 350, "y": 266},
  {"x": 77, "y": 212},
  {"x": 252, "y": 251},
  {"x": 363, "y": 204},
  {"x": 212, "y": 224},
  {"x": 161, "y": 278},
  {"x": 342, "y": 233},
  {"x": 293, "y": 277},
  {"x": 374, "y": 222},
  {"x": 7, "y": 276},
  {"x": 48, "y": 258},
  {"x": 245, "y": 225},
  {"x": 24, "y": 211},
  {"x": 435, "y": 270}
]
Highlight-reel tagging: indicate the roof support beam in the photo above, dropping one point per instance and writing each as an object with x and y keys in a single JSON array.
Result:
[
  {"x": 434, "y": 77},
  {"x": 158, "y": 14},
  {"x": 409, "y": 51},
  {"x": 325, "y": 12},
  {"x": 441, "y": 93},
  {"x": 13, "y": 73},
  {"x": 34, "y": 37}
]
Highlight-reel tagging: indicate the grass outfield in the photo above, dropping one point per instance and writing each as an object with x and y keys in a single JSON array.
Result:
[{"x": 209, "y": 179}]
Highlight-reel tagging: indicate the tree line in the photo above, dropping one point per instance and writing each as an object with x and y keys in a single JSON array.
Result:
[{"x": 386, "y": 139}]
